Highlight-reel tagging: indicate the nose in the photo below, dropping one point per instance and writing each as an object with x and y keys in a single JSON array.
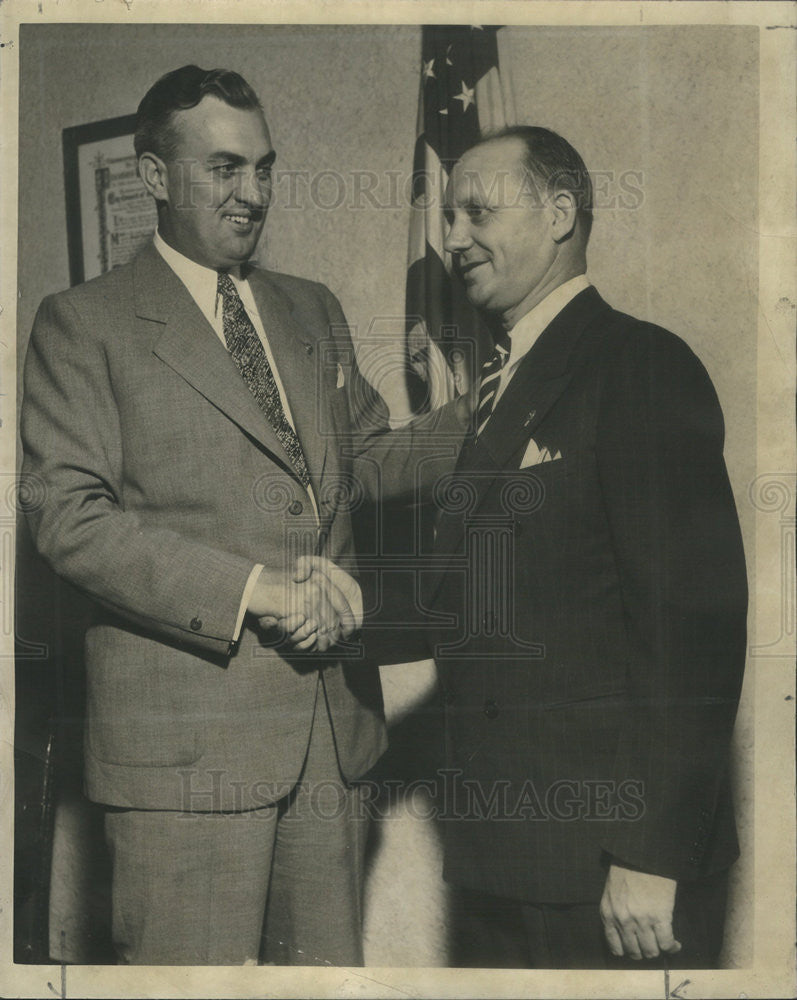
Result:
[
  {"x": 458, "y": 237},
  {"x": 253, "y": 189}
]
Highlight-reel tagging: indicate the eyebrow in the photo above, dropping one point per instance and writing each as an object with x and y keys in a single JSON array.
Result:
[
  {"x": 466, "y": 206},
  {"x": 223, "y": 156}
]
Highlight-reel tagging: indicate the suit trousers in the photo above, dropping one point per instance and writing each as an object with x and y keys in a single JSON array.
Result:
[
  {"x": 492, "y": 932},
  {"x": 281, "y": 884}
]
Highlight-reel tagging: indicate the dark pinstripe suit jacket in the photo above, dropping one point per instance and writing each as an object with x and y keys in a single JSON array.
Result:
[{"x": 593, "y": 672}]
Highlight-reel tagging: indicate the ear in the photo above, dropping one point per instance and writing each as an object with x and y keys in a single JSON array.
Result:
[
  {"x": 152, "y": 171},
  {"x": 564, "y": 213}
]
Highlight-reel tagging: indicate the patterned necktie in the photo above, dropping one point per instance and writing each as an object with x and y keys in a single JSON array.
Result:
[
  {"x": 490, "y": 376},
  {"x": 250, "y": 358}
]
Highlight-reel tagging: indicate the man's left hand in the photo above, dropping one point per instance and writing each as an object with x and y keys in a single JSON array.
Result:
[
  {"x": 344, "y": 597},
  {"x": 636, "y": 909},
  {"x": 345, "y": 592}
]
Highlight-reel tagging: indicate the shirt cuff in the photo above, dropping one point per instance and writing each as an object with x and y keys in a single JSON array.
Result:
[
  {"x": 250, "y": 586},
  {"x": 357, "y": 606}
]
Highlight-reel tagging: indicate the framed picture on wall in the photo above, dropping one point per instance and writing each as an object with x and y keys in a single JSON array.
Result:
[{"x": 109, "y": 214}]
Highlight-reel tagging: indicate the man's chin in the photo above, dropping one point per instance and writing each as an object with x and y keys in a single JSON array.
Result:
[
  {"x": 240, "y": 254},
  {"x": 478, "y": 298}
]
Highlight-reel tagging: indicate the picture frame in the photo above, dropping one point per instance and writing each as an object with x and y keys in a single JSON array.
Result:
[{"x": 109, "y": 214}]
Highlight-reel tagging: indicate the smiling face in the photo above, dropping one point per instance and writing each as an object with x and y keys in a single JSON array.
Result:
[
  {"x": 215, "y": 190},
  {"x": 502, "y": 235}
]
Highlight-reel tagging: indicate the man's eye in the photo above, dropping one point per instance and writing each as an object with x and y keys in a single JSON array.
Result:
[
  {"x": 476, "y": 213},
  {"x": 264, "y": 175},
  {"x": 225, "y": 170}
]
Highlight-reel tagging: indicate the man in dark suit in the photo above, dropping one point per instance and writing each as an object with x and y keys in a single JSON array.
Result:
[
  {"x": 592, "y": 559},
  {"x": 183, "y": 414}
]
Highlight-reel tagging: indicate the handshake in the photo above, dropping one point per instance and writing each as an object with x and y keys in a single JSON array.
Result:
[{"x": 313, "y": 607}]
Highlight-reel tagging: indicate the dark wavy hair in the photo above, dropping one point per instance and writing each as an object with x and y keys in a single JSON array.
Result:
[
  {"x": 177, "y": 91},
  {"x": 552, "y": 164}
]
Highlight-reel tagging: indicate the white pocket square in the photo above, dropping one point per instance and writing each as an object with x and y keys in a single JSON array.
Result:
[
  {"x": 534, "y": 455},
  {"x": 341, "y": 376}
]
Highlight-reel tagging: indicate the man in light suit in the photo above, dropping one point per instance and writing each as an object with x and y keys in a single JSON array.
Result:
[
  {"x": 183, "y": 413},
  {"x": 593, "y": 562}
]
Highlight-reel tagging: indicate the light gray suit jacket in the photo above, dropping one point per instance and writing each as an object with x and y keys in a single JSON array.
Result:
[{"x": 163, "y": 484}]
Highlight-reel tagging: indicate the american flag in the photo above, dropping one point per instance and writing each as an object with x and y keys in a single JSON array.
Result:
[{"x": 462, "y": 93}]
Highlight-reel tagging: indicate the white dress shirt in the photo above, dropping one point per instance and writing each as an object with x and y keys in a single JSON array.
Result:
[
  {"x": 202, "y": 285},
  {"x": 525, "y": 333}
]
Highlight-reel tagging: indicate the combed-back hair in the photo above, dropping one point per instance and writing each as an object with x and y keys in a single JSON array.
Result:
[{"x": 177, "y": 91}]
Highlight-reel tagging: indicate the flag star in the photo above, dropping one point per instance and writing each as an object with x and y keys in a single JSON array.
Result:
[
  {"x": 466, "y": 96},
  {"x": 428, "y": 69},
  {"x": 448, "y": 53}
]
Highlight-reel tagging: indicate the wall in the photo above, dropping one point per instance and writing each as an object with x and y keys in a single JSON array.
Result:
[{"x": 667, "y": 116}]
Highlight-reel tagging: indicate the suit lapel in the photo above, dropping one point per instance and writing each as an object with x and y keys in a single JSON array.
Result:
[
  {"x": 190, "y": 346},
  {"x": 540, "y": 380}
]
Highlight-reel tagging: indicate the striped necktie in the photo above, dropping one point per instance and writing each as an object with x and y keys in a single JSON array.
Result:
[
  {"x": 490, "y": 376},
  {"x": 250, "y": 358}
]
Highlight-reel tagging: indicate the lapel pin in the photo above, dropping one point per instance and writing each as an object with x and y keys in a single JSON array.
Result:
[{"x": 530, "y": 417}]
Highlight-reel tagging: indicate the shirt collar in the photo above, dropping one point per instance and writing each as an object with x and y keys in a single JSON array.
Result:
[
  {"x": 528, "y": 328},
  {"x": 200, "y": 281}
]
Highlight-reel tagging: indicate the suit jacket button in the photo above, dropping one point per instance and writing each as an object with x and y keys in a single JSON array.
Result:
[
  {"x": 196, "y": 624},
  {"x": 296, "y": 507},
  {"x": 308, "y": 348},
  {"x": 491, "y": 710}
]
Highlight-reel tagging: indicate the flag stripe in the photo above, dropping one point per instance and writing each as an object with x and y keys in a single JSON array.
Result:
[
  {"x": 461, "y": 93},
  {"x": 427, "y": 224},
  {"x": 432, "y": 297}
]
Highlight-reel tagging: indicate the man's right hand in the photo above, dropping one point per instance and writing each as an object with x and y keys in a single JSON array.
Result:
[
  {"x": 636, "y": 910},
  {"x": 310, "y": 606}
]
